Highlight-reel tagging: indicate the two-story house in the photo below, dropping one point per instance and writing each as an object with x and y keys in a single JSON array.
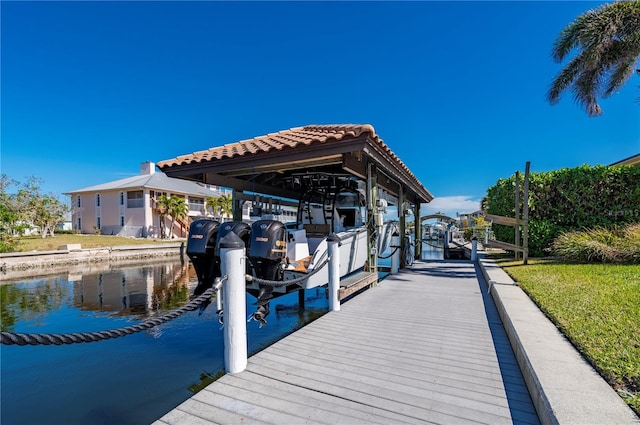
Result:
[{"x": 128, "y": 207}]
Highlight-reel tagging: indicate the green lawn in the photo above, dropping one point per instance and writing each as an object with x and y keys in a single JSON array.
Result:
[
  {"x": 597, "y": 306},
  {"x": 36, "y": 243}
]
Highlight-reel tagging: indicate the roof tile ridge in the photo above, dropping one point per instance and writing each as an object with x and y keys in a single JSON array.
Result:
[
  {"x": 297, "y": 138},
  {"x": 355, "y": 129}
]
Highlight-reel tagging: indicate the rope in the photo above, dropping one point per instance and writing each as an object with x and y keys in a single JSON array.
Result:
[
  {"x": 278, "y": 283},
  {"x": 426, "y": 241},
  {"x": 11, "y": 338},
  {"x": 395, "y": 248}
]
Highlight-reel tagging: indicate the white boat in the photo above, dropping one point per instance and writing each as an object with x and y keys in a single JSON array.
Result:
[{"x": 337, "y": 210}]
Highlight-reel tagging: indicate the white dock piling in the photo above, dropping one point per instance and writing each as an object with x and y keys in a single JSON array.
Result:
[
  {"x": 334, "y": 272},
  {"x": 474, "y": 249},
  {"x": 232, "y": 257},
  {"x": 395, "y": 256}
]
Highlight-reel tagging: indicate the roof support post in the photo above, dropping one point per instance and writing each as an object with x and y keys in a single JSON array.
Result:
[
  {"x": 417, "y": 232},
  {"x": 517, "y": 214},
  {"x": 372, "y": 197},
  {"x": 403, "y": 225},
  {"x": 525, "y": 218},
  {"x": 236, "y": 206}
]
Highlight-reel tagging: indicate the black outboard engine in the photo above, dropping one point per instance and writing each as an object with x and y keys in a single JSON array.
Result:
[
  {"x": 267, "y": 253},
  {"x": 201, "y": 245},
  {"x": 240, "y": 228}
]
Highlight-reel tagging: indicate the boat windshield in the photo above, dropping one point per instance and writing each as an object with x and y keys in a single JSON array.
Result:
[{"x": 347, "y": 199}]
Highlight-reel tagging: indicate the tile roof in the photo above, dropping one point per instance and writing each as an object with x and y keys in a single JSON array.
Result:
[{"x": 292, "y": 138}]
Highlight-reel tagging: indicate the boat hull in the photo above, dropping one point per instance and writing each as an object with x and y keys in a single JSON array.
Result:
[{"x": 353, "y": 256}]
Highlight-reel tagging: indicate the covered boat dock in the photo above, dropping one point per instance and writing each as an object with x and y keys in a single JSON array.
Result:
[{"x": 271, "y": 165}]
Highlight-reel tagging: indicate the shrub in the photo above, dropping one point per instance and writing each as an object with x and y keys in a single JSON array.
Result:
[
  {"x": 568, "y": 199},
  {"x": 540, "y": 233},
  {"x": 8, "y": 245},
  {"x": 602, "y": 245}
]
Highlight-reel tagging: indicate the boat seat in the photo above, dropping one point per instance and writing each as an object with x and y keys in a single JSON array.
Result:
[{"x": 300, "y": 265}]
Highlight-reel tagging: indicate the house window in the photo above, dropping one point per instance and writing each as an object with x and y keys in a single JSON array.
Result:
[
  {"x": 78, "y": 201},
  {"x": 122, "y": 220},
  {"x": 97, "y": 199},
  {"x": 196, "y": 204},
  {"x": 98, "y": 223},
  {"x": 135, "y": 199},
  {"x": 121, "y": 198},
  {"x": 79, "y": 224}
]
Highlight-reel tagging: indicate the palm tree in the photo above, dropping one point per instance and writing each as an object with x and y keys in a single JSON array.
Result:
[
  {"x": 221, "y": 206},
  {"x": 225, "y": 203},
  {"x": 163, "y": 205},
  {"x": 608, "y": 43},
  {"x": 212, "y": 203},
  {"x": 177, "y": 208}
]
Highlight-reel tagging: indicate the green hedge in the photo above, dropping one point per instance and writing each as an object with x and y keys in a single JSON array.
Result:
[{"x": 568, "y": 199}]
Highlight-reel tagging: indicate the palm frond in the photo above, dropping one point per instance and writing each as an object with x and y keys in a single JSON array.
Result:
[
  {"x": 585, "y": 88},
  {"x": 567, "y": 40},
  {"x": 564, "y": 79},
  {"x": 608, "y": 40},
  {"x": 619, "y": 75}
]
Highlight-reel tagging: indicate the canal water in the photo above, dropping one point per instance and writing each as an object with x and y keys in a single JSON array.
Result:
[{"x": 134, "y": 379}]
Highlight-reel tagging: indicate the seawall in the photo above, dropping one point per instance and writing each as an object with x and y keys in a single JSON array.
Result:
[{"x": 22, "y": 264}]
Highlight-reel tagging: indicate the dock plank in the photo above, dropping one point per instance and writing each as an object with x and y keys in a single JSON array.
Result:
[
  {"x": 424, "y": 346},
  {"x": 401, "y": 388}
]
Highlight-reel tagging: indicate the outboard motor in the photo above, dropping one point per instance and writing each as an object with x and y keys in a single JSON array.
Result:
[
  {"x": 201, "y": 245},
  {"x": 267, "y": 253},
  {"x": 240, "y": 228}
]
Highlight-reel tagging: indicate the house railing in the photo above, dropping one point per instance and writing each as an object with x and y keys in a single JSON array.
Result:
[{"x": 197, "y": 208}]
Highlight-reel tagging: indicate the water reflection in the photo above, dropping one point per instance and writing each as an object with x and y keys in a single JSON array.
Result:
[
  {"x": 30, "y": 301},
  {"x": 137, "y": 292},
  {"x": 432, "y": 250},
  {"x": 141, "y": 291}
]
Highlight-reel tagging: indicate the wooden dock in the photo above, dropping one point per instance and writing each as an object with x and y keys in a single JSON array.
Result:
[{"x": 425, "y": 346}]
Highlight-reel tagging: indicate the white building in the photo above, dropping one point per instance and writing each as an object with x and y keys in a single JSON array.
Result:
[{"x": 128, "y": 207}]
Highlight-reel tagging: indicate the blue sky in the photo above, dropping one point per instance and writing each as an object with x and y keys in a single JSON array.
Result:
[{"x": 89, "y": 90}]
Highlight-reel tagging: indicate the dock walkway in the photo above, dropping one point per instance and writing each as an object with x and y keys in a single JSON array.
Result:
[{"x": 425, "y": 346}]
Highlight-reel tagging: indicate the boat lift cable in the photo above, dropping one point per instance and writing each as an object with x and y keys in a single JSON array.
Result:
[
  {"x": 277, "y": 283},
  {"x": 12, "y": 338}
]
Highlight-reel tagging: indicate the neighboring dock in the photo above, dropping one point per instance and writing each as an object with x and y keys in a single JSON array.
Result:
[{"x": 425, "y": 346}]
